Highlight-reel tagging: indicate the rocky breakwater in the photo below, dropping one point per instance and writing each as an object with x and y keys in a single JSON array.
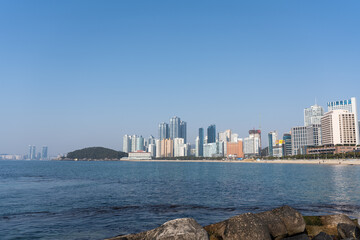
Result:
[{"x": 280, "y": 223}]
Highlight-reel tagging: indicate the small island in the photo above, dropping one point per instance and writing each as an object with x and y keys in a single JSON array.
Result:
[{"x": 94, "y": 154}]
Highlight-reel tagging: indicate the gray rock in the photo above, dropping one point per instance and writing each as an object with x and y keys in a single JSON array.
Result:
[
  {"x": 322, "y": 236},
  {"x": 275, "y": 225},
  {"x": 334, "y": 220},
  {"x": 302, "y": 236},
  {"x": 245, "y": 227},
  {"x": 348, "y": 231},
  {"x": 292, "y": 219},
  {"x": 177, "y": 229}
]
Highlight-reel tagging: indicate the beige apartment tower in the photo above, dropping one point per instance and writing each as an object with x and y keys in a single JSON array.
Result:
[
  {"x": 339, "y": 128},
  {"x": 167, "y": 148}
]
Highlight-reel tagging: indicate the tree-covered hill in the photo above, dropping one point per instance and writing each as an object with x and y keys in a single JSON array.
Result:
[{"x": 96, "y": 153}]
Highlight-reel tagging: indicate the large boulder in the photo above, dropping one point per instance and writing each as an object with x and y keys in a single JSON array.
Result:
[
  {"x": 275, "y": 224},
  {"x": 177, "y": 229},
  {"x": 282, "y": 222},
  {"x": 243, "y": 227},
  {"x": 348, "y": 231},
  {"x": 293, "y": 220}
]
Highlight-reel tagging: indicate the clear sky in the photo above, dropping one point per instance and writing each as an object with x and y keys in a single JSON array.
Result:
[{"x": 75, "y": 74}]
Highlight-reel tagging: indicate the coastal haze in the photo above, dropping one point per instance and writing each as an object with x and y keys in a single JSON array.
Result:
[{"x": 84, "y": 73}]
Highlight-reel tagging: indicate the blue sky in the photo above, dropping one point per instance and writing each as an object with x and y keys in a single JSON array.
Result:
[{"x": 84, "y": 73}]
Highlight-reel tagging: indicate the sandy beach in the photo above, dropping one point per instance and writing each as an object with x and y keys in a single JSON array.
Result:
[{"x": 276, "y": 161}]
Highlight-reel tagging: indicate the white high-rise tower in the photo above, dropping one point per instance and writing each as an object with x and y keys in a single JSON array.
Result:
[{"x": 349, "y": 105}]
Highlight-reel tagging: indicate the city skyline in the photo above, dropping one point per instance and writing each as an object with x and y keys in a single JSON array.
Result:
[{"x": 106, "y": 70}]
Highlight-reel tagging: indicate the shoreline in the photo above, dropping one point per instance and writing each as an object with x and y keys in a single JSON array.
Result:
[{"x": 276, "y": 161}]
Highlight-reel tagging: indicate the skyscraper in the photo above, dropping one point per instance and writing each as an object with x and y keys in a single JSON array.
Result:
[
  {"x": 211, "y": 134},
  {"x": 127, "y": 143},
  {"x": 133, "y": 143},
  {"x": 158, "y": 148},
  {"x": 167, "y": 148},
  {"x": 201, "y": 142},
  {"x": 180, "y": 149},
  {"x": 339, "y": 128},
  {"x": 164, "y": 131},
  {"x": 183, "y": 130},
  {"x": 44, "y": 153},
  {"x": 313, "y": 114},
  {"x": 225, "y": 136},
  {"x": 314, "y": 135},
  {"x": 287, "y": 147},
  {"x": 252, "y": 144},
  {"x": 298, "y": 140},
  {"x": 272, "y": 141},
  {"x": 32, "y": 152},
  {"x": 349, "y": 105},
  {"x": 140, "y": 144},
  {"x": 174, "y": 127}
]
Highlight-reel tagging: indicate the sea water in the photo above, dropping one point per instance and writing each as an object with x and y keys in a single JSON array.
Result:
[{"x": 96, "y": 200}]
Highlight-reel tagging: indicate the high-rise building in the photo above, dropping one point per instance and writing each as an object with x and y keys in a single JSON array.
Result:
[
  {"x": 339, "y": 128},
  {"x": 215, "y": 149},
  {"x": 44, "y": 153},
  {"x": 225, "y": 136},
  {"x": 152, "y": 150},
  {"x": 174, "y": 127},
  {"x": 313, "y": 135},
  {"x": 234, "y": 137},
  {"x": 252, "y": 144},
  {"x": 158, "y": 148},
  {"x": 133, "y": 143},
  {"x": 150, "y": 140},
  {"x": 164, "y": 131},
  {"x": 272, "y": 141},
  {"x": 127, "y": 143},
  {"x": 278, "y": 150},
  {"x": 298, "y": 140},
  {"x": 235, "y": 149},
  {"x": 179, "y": 147},
  {"x": 140, "y": 146},
  {"x": 287, "y": 144},
  {"x": 167, "y": 148},
  {"x": 32, "y": 152},
  {"x": 201, "y": 142},
  {"x": 211, "y": 134},
  {"x": 313, "y": 114},
  {"x": 197, "y": 145},
  {"x": 349, "y": 105},
  {"x": 183, "y": 131}
]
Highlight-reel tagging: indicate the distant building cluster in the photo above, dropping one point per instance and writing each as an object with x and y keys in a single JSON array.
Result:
[
  {"x": 334, "y": 131},
  {"x": 33, "y": 155}
]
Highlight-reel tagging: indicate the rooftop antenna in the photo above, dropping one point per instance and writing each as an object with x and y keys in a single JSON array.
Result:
[{"x": 315, "y": 101}]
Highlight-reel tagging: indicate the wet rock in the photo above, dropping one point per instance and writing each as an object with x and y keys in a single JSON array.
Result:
[
  {"x": 302, "y": 236},
  {"x": 178, "y": 229},
  {"x": 322, "y": 236},
  {"x": 245, "y": 227},
  {"x": 293, "y": 220},
  {"x": 348, "y": 231}
]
